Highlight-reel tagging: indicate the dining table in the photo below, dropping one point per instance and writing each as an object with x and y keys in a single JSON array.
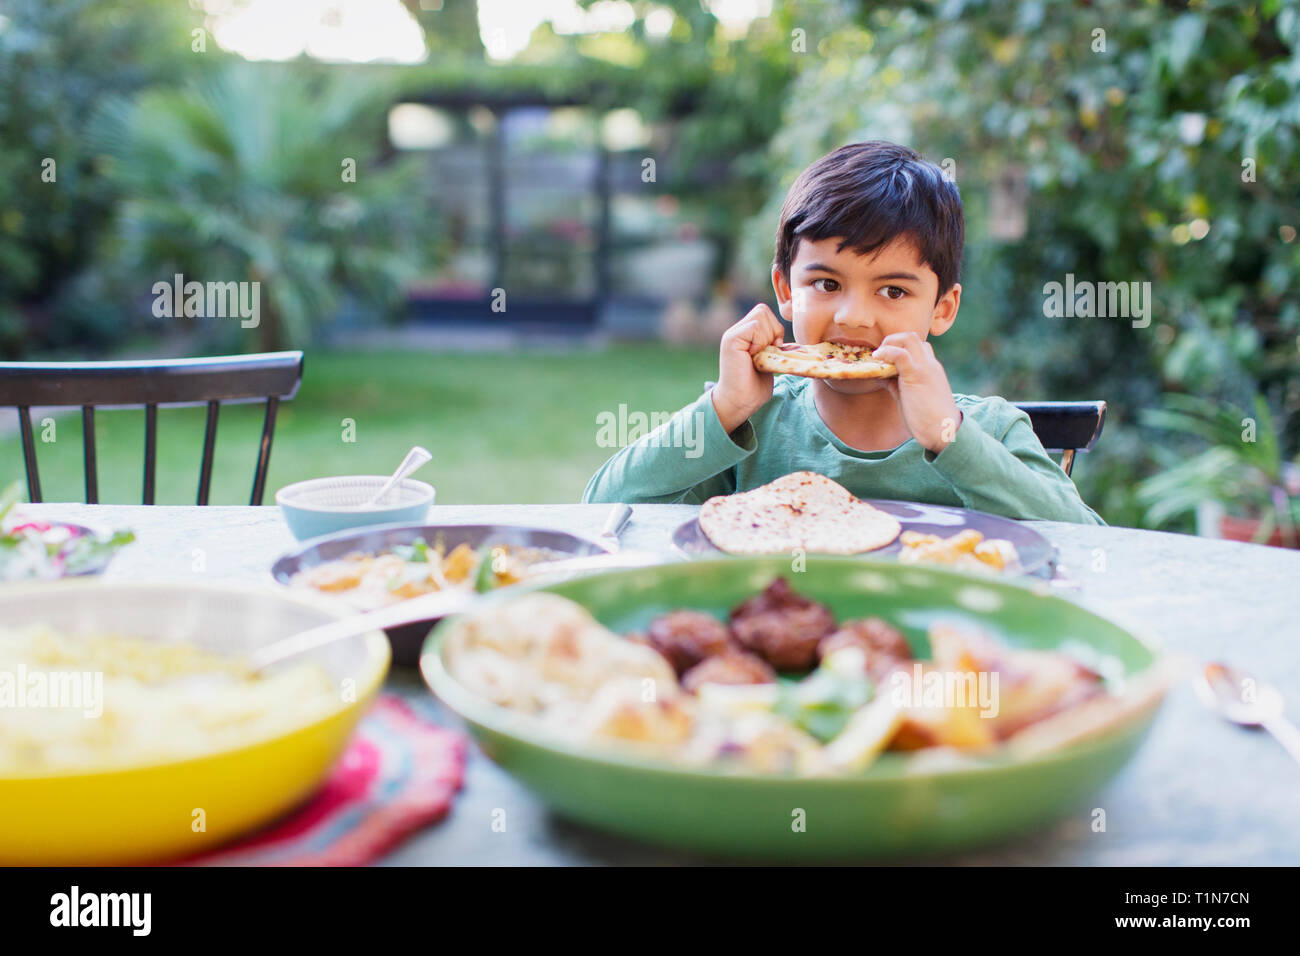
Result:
[{"x": 1200, "y": 791}]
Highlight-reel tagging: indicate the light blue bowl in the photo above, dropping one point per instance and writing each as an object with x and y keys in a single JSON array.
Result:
[{"x": 325, "y": 505}]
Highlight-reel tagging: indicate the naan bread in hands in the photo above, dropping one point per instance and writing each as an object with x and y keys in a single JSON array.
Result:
[{"x": 823, "y": 360}]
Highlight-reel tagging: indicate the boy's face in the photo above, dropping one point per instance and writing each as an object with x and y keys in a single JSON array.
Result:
[{"x": 844, "y": 297}]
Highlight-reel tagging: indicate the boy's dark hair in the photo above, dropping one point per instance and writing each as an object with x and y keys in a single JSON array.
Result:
[{"x": 871, "y": 194}]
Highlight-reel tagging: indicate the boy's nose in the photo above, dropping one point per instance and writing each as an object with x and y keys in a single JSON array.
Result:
[{"x": 854, "y": 313}]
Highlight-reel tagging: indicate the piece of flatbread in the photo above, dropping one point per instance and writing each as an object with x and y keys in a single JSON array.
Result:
[
  {"x": 800, "y": 510},
  {"x": 823, "y": 360}
]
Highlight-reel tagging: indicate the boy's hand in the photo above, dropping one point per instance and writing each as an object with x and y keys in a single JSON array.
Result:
[
  {"x": 743, "y": 389},
  {"x": 924, "y": 396}
]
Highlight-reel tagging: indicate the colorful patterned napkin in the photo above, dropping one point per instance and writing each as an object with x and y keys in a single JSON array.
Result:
[{"x": 398, "y": 774}]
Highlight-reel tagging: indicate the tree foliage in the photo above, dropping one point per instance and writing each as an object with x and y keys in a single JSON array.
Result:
[
  {"x": 1159, "y": 142},
  {"x": 266, "y": 174},
  {"x": 59, "y": 62}
]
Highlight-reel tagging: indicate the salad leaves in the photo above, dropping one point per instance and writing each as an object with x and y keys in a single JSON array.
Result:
[
  {"x": 417, "y": 550},
  {"x": 45, "y": 549},
  {"x": 823, "y": 702}
]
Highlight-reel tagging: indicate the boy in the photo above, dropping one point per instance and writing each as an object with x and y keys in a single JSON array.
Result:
[{"x": 868, "y": 252}]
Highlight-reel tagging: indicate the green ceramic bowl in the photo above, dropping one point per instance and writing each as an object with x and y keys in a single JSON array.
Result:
[{"x": 888, "y": 810}]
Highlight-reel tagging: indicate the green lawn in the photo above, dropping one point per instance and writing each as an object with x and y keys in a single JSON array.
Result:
[{"x": 503, "y": 427}]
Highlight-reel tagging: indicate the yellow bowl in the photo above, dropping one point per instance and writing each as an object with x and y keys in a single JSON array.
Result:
[{"x": 165, "y": 811}]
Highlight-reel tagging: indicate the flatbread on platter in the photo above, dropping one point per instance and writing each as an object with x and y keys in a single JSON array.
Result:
[{"x": 802, "y": 510}]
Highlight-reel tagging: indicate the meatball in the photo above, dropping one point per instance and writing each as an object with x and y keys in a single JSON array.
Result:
[
  {"x": 884, "y": 647},
  {"x": 685, "y": 638},
  {"x": 782, "y": 627},
  {"x": 734, "y": 667}
]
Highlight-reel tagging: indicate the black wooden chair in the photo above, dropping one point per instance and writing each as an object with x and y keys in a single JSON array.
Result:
[
  {"x": 1066, "y": 427},
  {"x": 1062, "y": 427},
  {"x": 271, "y": 377}
]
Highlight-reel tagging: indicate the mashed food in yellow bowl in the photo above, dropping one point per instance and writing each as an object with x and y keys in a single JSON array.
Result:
[
  {"x": 131, "y": 733},
  {"x": 111, "y": 701}
]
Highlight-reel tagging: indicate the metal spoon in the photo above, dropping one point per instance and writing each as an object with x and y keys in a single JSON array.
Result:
[
  {"x": 597, "y": 562},
  {"x": 1242, "y": 699},
  {"x": 422, "y": 608},
  {"x": 615, "y": 522},
  {"x": 415, "y": 459}
]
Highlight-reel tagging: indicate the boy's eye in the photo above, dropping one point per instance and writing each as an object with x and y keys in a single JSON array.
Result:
[
  {"x": 817, "y": 284},
  {"x": 893, "y": 292}
]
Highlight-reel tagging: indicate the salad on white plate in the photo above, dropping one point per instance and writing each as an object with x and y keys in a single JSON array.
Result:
[{"x": 44, "y": 550}]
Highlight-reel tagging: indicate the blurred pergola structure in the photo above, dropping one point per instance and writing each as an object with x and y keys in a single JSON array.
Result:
[{"x": 528, "y": 309}]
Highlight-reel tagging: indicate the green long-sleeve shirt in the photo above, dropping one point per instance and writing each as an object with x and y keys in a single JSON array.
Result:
[{"x": 994, "y": 463}]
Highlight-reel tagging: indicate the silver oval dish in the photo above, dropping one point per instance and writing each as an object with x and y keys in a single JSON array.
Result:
[
  {"x": 1037, "y": 554},
  {"x": 82, "y": 531},
  {"x": 407, "y": 639}
]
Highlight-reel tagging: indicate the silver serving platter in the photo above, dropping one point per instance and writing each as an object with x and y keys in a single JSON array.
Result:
[
  {"x": 407, "y": 639},
  {"x": 1036, "y": 553},
  {"x": 82, "y": 530}
]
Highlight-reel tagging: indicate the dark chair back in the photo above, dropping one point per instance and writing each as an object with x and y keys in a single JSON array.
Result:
[
  {"x": 270, "y": 377},
  {"x": 1066, "y": 427}
]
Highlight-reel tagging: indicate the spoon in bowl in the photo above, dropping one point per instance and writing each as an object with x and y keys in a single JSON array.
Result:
[
  {"x": 1242, "y": 699},
  {"x": 425, "y": 607},
  {"x": 415, "y": 459}
]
